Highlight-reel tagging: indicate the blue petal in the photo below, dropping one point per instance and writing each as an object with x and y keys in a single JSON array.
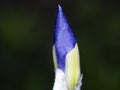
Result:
[{"x": 64, "y": 39}]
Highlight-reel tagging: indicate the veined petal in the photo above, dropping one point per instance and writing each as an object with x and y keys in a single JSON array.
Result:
[{"x": 64, "y": 39}]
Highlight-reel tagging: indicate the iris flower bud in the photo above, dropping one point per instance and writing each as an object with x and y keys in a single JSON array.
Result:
[{"x": 65, "y": 55}]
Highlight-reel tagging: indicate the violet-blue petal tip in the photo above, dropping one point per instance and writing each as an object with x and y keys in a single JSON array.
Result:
[{"x": 64, "y": 40}]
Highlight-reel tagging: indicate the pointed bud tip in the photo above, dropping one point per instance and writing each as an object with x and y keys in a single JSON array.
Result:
[{"x": 59, "y": 7}]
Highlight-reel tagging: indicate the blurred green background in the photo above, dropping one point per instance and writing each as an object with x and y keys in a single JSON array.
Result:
[{"x": 26, "y": 34}]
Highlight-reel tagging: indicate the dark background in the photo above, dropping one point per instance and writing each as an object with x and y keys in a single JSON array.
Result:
[{"x": 26, "y": 34}]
